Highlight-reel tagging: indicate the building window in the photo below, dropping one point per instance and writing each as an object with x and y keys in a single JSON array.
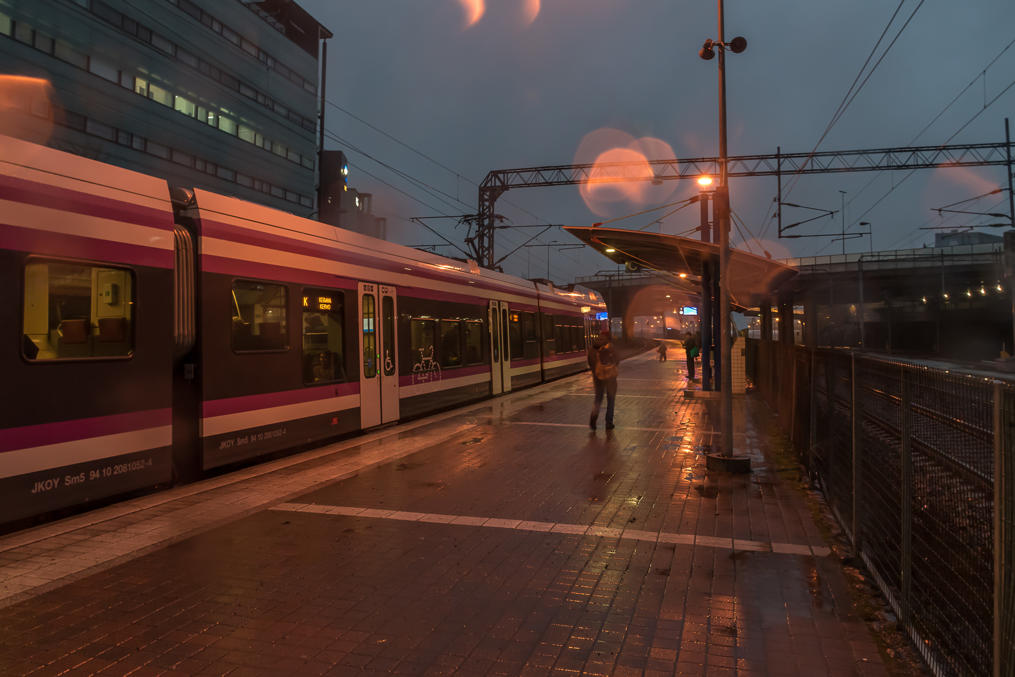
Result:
[
  {"x": 159, "y": 95},
  {"x": 23, "y": 32},
  {"x": 259, "y": 316},
  {"x": 185, "y": 106},
  {"x": 323, "y": 331},
  {"x": 6, "y": 26},
  {"x": 65, "y": 52},
  {"x": 226, "y": 125},
  {"x": 141, "y": 86},
  {"x": 246, "y": 133},
  {"x": 76, "y": 310}
]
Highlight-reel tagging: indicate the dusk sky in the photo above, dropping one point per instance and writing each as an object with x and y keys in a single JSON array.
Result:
[{"x": 525, "y": 83}]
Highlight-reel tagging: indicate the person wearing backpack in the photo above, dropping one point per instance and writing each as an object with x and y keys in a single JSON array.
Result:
[
  {"x": 691, "y": 350},
  {"x": 603, "y": 362}
]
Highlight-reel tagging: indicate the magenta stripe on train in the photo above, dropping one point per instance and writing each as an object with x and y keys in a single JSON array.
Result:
[
  {"x": 46, "y": 243},
  {"x": 54, "y": 197},
  {"x": 235, "y": 405},
  {"x": 28, "y": 436}
]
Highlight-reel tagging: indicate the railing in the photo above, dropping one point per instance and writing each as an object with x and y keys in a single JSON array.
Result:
[{"x": 918, "y": 466}]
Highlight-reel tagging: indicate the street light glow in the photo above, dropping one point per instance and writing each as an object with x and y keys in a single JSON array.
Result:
[
  {"x": 610, "y": 250},
  {"x": 683, "y": 275},
  {"x": 704, "y": 181}
]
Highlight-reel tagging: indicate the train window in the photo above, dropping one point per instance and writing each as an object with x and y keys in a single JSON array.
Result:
[
  {"x": 422, "y": 337},
  {"x": 548, "y": 334},
  {"x": 451, "y": 343},
  {"x": 77, "y": 310},
  {"x": 323, "y": 336},
  {"x": 369, "y": 336},
  {"x": 530, "y": 334},
  {"x": 515, "y": 333},
  {"x": 259, "y": 316},
  {"x": 388, "y": 313},
  {"x": 474, "y": 342}
]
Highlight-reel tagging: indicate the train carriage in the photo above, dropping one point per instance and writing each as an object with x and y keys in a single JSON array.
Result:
[
  {"x": 86, "y": 279},
  {"x": 154, "y": 334}
]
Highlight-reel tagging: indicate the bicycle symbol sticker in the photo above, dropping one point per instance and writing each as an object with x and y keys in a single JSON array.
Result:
[{"x": 426, "y": 369}]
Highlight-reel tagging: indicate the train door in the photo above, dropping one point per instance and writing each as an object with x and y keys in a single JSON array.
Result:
[
  {"x": 500, "y": 348},
  {"x": 378, "y": 378}
]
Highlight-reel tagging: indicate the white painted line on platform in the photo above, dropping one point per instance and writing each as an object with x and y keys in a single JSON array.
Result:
[{"x": 719, "y": 542}]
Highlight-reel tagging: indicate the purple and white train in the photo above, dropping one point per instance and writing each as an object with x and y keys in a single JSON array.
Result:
[{"x": 150, "y": 334}]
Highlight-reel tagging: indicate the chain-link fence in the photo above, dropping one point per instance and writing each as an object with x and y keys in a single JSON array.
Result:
[{"x": 918, "y": 465}]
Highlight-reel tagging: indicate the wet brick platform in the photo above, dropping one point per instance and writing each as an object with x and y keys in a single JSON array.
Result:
[{"x": 505, "y": 538}]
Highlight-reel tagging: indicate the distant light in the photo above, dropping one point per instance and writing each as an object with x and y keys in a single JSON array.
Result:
[
  {"x": 946, "y": 296},
  {"x": 983, "y": 291},
  {"x": 345, "y": 170},
  {"x": 667, "y": 296},
  {"x": 704, "y": 181},
  {"x": 999, "y": 288},
  {"x": 683, "y": 275},
  {"x": 969, "y": 293},
  {"x": 610, "y": 250},
  {"x": 924, "y": 299}
]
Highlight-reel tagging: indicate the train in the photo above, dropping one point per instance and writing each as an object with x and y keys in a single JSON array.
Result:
[{"x": 154, "y": 334}]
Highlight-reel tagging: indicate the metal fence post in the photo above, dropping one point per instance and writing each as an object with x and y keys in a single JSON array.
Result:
[
  {"x": 999, "y": 468},
  {"x": 906, "y": 499},
  {"x": 812, "y": 437},
  {"x": 855, "y": 445}
]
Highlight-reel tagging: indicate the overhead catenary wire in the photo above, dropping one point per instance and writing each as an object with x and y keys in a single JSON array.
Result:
[{"x": 851, "y": 92}]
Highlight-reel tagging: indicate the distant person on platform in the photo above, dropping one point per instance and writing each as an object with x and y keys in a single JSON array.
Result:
[
  {"x": 662, "y": 350},
  {"x": 691, "y": 350},
  {"x": 603, "y": 362}
]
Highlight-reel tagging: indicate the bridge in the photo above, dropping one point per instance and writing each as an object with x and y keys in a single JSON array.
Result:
[{"x": 952, "y": 302}]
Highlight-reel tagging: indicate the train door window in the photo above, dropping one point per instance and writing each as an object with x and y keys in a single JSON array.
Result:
[
  {"x": 495, "y": 331},
  {"x": 369, "y": 336},
  {"x": 259, "y": 316},
  {"x": 473, "y": 342},
  {"x": 323, "y": 336},
  {"x": 77, "y": 310},
  {"x": 504, "y": 333},
  {"x": 451, "y": 343},
  {"x": 388, "y": 317},
  {"x": 515, "y": 335}
]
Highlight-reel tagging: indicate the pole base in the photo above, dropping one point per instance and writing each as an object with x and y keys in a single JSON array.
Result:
[{"x": 730, "y": 464}]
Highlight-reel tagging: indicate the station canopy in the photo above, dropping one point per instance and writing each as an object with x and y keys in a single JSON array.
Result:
[{"x": 752, "y": 279}]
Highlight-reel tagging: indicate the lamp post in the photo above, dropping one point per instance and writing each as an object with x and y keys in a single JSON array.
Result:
[
  {"x": 705, "y": 311},
  {"x": 722, "y": 215}
]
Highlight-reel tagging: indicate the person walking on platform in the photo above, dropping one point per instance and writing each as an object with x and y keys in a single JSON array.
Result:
[
  {"x": 603, "y": 362},
  {"x": 691, "y": 351},
  {"x": 662, "y": 350}
]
